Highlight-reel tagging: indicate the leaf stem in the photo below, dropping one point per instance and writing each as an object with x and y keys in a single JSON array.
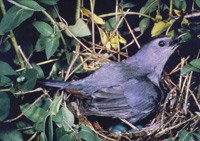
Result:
[
  {"x": 13, "y": 39},
  {"x": 55, "y": 24},
  {"x": 171, "y": 8},
  {"x": 158, "y": 7}
]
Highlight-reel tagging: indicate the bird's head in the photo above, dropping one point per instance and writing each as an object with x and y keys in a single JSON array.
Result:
[
  {"x": 151, "y": 58},
  {"x": 160, "y": 48}
]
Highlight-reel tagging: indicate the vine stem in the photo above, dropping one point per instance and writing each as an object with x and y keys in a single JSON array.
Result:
[
  {"x": 55, "y": 24},
  {"x": 128, "y": 13},
  {"x": 13, "y": 39},
  {"x": 171, "y": 8},
  {"x": 78, "y": 9}
]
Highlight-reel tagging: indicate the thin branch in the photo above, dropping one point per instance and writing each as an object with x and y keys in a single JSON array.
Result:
[
  {"x": 93, "y": 29},
  {"x": 25, "y": 58},
  {"x": 128, "y": 13},
  {"x": 173, "y": 127},
  {"x": 193, "y": 15},
  {"x": 72, "y": 62},
  {"x": 26, "y": 110},
  {"x": 133, "y": 35},
  {"x": 40, "y": 64}
]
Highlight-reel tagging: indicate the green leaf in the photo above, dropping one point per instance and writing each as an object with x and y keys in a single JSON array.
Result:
[
  {"x": 13, "y": 18},
  {"x": 24, "y": 124},
  {"x": 185, "y": 37},
  {"x": 144, "y": 23},
  {"x": 41, "y": 125},
  {"x": 180, "y": 4},
  {"x": 59, "y": 133},
  {"x": 170, "y": 139},
  {"x": 149, "y": 7},
  {"x": 5, "y": 46},
  {"x": 4, "y": 80},
  {"x": 67, "y": 116},
  {"x": 64, "y": 118},
  {"x": 7, "y": 70},
  {"x": 197, "y": 3},
  {"x": 51, "y": 44},
  {"x": 87, "y": 134},
  {"x": 4, "y": 105},
  {"x": 58, "y": 118},
  {"x": 49, "y": 2},
  {"x": 39, "y": 70},
  {"x": 111, "y": 23},
  {"x": 35, "y": 113},
  {"x": 54, "y": 70},
  {"x": 42, "y": 137},
  {"x": 80, "y": 29},
  {"x": 27, "y": 5},
  {"x": 30, "y": 80},
  {"x": 126, "y": 4},
  {"x": 184, "y": 135},
  {"x": 44, "y": 28},
  {"x": 195, "y": 63},
  {"x": 55, "y": 105},
  {"x": 196, "y": 134},
  {"x": 40, "y": 43},
  {"x": 8, "y": 133},
  {"x": 44, "y": 103},
  {"x": 69, "y": 137},
  {"x": 188, "y": 68}
]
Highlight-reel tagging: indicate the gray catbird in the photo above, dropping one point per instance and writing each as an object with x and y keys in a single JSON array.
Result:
[{"x": 129, "y": 89}]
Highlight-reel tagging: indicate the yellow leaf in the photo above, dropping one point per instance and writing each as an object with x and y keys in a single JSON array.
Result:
[
  {"x": 85, "y": 12},
  {"x": 122, "y": 40},
  {"x": 104, "y": 39},
  {"x": 177, "y": 12},
  {"x": 158, "y": 17},
  {"x": 108, "y": 46},
  {"x": 185, "y": 21},
  {"x": 171, "y": 33},
  {"x": 103, "y": 36},
  {"x": 98, "y": 20},
  {"x": 88, "y": 14},
  {"x": 114, "y": 42},
  {"x": 159, "y": 28}
]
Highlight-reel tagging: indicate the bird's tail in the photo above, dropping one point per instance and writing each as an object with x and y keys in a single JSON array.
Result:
[{"x": 54, "y": 83}]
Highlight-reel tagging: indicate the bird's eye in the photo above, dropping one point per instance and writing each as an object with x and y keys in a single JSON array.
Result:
[{"x": 161, "y": 43}]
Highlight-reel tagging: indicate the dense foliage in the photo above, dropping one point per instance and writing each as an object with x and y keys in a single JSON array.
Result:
[{"x": 38, "y": 40}]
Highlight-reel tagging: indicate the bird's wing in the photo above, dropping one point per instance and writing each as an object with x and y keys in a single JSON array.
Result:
[
  {"x": 109, "y": 75},
  {"x": 108, "y": 102},
  {"x": 143, "y": 97},
  {"x": 132, "y": 100}
]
